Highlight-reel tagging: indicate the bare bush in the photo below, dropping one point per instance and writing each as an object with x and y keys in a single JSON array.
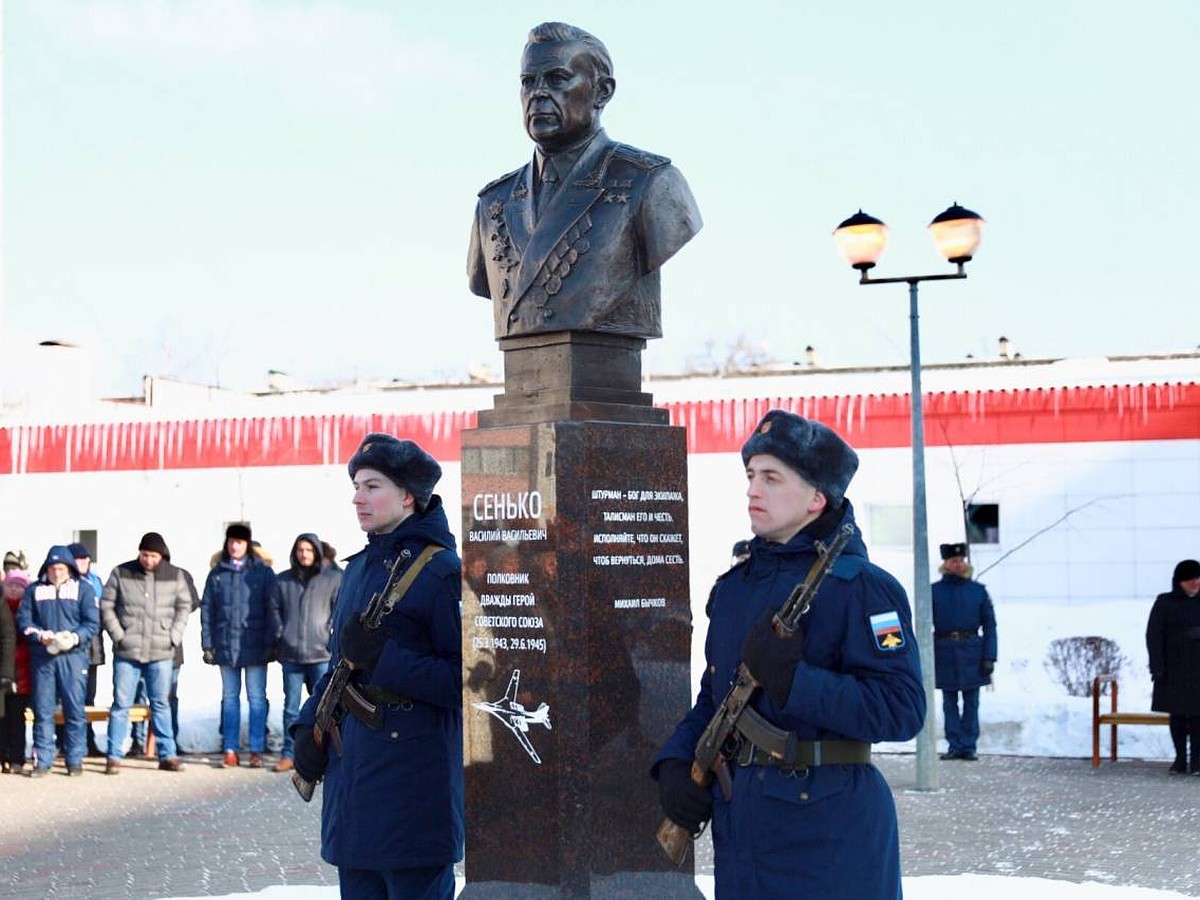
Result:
[{"x": 1074, "y": 661}]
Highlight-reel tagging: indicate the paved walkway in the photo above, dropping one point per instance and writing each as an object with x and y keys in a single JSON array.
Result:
[{"x": 151, "y": 834}]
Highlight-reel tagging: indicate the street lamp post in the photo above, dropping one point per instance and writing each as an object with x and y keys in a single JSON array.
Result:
[{"x": 861, "y": 239}]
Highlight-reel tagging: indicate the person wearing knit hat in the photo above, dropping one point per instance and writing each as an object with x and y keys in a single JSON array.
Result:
[
  {"x": 236, "y": 634},
  {"x": 411, "y": 667},
  {"x": 144, "y": 609},
  {"x": 1173, "y": 645},
  {"x": 58, "y": 616},
  {"x": 16, "y": 701},
  {"x": 848, "y": 676},
  {"x": 964, "y": 649}
]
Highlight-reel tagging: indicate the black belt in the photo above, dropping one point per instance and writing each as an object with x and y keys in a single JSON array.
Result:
[
  {"x": 955, "y": 635},
  {"x": 765, "y": 745},
  {"x": 386, "y": 697}
]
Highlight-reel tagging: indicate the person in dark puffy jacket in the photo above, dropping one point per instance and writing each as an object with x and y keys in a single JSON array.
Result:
[
  {"x": 236, "y": 634},
  {"x": 58, "y": 617},
  {"x": 302, "y": 605},
  {"x": 964, "y": 649},
  {"x": 807, "y": 815},
  {"x": 144, "y": 609},
  {"x": 392, "y": 810},
  {"x": 96, "y": 655},
  {"x": 1173, "y": 644}
]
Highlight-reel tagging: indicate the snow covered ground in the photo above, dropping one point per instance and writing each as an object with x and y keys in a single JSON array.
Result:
[{"x": 930, "y": 887}]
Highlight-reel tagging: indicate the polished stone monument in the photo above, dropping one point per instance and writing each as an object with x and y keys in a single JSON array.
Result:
[{"x": 576, "y": 611}]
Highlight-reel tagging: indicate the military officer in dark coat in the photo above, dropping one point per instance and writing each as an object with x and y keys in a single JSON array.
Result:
[
  {"x": 1173, "y": 647},
  {"x": 573, "y": 240},
  {"x": 964, "y": 649}
]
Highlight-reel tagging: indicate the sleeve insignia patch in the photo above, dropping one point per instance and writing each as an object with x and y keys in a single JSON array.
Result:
[{"x": 885, "y": 627}]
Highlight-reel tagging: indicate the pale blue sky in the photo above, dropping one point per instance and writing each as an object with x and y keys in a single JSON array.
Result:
[{"x": 214, "y": 188}]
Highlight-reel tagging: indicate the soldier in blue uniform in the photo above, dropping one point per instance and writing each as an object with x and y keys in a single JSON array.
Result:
[
  {"x": 58, "y": 616},
  {"x": 964, "y": 649},
  {"x": 392, "y": 813},
  {"x": 819, "y": 821}
]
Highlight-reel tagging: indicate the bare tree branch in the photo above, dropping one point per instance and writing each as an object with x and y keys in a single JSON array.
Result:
[{"x": 1041, "y": 531}]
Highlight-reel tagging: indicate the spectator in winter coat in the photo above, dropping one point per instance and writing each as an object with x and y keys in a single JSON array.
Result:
[
  {"x": 96, "y": 657},
  {"x": 58, "y": 616},
  {"x": 807, "y": 815},
  {"x": 1173, "y": 643},
  {"x": 144, "y": 609},
  {"x": 302, "y": 605},
  {"x": 392, "y": 811},
  {"x": 8, "y": 657},
  {"x": 964, "y": 649},
  {"x": 16, "y": 701},
  {"x": 236, "y": 635}
]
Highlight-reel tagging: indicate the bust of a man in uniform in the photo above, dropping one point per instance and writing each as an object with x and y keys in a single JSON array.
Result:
[{"x": 573, "y": 240}]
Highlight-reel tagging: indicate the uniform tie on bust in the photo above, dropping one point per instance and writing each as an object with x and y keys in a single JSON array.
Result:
[{"x": 549, "y": 184}]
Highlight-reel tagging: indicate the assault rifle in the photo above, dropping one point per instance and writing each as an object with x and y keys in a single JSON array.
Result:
[
  {"x": 714, "y": 749},
  {"x": 330, "y": 707}
]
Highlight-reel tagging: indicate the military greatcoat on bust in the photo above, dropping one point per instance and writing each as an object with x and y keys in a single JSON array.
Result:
[{"x": 590, "y": 261}]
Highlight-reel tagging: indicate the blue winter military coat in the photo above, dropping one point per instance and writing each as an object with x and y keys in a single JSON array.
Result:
[
  {"x": 393, "y": 798},
  {"x": 235, "y": 612},
  {"x": 961, "y": 610},
  {"x": 828, "y": 831}
]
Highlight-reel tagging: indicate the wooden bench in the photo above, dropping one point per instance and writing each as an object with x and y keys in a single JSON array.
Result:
[
  {"x": 139, "y": 712},
  {"x": 1113, "y": 718}
]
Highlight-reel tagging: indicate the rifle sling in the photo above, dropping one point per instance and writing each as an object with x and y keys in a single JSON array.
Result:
[
  {"x": 363, "y": 701},
  {"x": 764, "y": 744}
]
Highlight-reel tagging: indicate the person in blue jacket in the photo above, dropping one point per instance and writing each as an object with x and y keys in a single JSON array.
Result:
[
  {"x": 236, "y": 634},
  {"x": 58, "y": 616},
  {"x": 807, "y": 815},
  {"x": 964, "y": 649},
  {"x": 392, "y": 814}
]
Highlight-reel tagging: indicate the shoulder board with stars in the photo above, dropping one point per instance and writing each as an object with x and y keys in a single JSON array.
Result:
[
  {"x": 640, "y": 158},
  {"x": 503, "y": 178}
]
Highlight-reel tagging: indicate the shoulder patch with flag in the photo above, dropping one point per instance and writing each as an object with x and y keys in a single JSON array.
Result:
[{"x": 885, "y": 627}]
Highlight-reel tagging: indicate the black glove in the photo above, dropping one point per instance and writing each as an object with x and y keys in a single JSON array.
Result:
[
  {"x": 210, "y": 656},
  {"x": 772, "y": 659},
  {"x": 360, "y": 647},
  {"x": 686, "y": 803},
  {"x": 310, "y": 758},
  {"x": 987, "y": 667}
]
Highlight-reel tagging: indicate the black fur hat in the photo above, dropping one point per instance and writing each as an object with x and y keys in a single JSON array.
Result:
[
  {"x": 238, "y": 531},
  {"x": 949, "y": 551},
  {"x": 815, "y": 451},
  {"x": 402, "y": 461}
]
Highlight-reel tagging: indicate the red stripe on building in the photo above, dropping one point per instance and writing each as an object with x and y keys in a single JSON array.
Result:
[{"x": 1036, "y": 416}]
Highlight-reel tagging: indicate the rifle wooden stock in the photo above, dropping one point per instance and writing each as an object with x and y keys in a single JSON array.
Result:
[{"x": 710, "y": 758}]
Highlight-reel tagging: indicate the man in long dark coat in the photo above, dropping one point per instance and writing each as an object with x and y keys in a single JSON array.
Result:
[{"x": 964, "y": 649}]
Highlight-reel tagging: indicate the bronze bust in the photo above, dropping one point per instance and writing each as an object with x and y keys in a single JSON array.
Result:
[{"x": 573, "y": 240}]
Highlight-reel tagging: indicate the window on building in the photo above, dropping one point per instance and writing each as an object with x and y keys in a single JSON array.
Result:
[
  {"x": 891, "y": 525},
  {"x": 983, "y": 523},
  {"x": 90, "y": 538}
]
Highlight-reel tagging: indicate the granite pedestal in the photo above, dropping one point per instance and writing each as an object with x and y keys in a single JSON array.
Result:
[{"x": 576, "y": 649}]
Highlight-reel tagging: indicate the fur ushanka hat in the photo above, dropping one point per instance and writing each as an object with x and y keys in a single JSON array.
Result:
[
  {"x": 404, "y": 462},
  {"x": 815, "y": 451}
]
